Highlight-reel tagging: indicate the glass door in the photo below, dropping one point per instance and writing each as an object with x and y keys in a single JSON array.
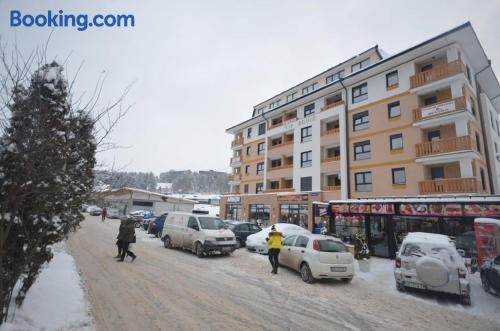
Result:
[{"x": 379, "y": 241}]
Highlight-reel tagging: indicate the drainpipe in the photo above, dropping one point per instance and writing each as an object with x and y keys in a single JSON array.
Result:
[
  {"x": 481, "y": 118},
  {"x": 346, "y": 129}
]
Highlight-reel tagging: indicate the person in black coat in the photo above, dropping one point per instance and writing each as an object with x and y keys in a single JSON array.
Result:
[
  {"x": 127, "y": 237},
  {"x": 118, "y": 244}
]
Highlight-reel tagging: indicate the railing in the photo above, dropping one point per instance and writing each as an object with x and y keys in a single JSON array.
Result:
[
  {"x": 331, "y": 131},
  {"x": 440, "y": 108},
  {"x": 436, "y": 73},
  {"x": 333, "y": 104},
  {"x": 330, "y": 159},
  {"x": 285, "y": 189},
  {"x": 237, "y": 141},
  {"x": 330, "y": 188},
  {"x": 447, "y": 145},
  {"x": 282, "y": 143},
  {"x": 235, "y": 159},
  {"x": 283, "y": 166},
  {"x": 231, "y": 193},
  {"x": 272, "y": 126},
  {"x": 452, "y": 185},
  {"x": 235, "y": 177}
]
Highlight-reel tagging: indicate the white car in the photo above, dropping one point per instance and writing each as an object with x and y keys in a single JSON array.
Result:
[
  {"x": 317, "y": 256},
  {"x": 257, "y": 241},
  {"x": 431, "y": 261}
]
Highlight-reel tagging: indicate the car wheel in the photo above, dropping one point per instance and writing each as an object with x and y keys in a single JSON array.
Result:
[
  {"x": 465, "y": 300},
  {"x": 400, "y": 287},
  {"x": 347, "y": 280},
  {"x": 167, "y": 243},
  {"x": 238, "y": 243},
  {"x": 199, "y": 250},
  {"x": 306, "y": 274}
]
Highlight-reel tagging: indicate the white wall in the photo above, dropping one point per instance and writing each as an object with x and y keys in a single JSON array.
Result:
[{"x": 492, "y": 137}]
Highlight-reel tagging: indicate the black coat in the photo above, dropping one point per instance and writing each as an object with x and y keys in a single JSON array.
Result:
[{"x": 127, "y": 235}]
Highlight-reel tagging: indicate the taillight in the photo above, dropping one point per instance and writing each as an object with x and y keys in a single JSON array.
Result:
[
  {"x": 398, "y": 262},
  {"x": 316, "y": 245},
  {"x": 461, "y": 273}
]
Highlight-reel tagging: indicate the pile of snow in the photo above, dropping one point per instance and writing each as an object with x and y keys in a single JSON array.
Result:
[
  {"x": 56, "y": 301},
  {"x": 286, "y": 229}
]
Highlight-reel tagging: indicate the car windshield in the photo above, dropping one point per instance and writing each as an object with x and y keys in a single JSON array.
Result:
[
  {"x": 330, "y": 245},
  {"x": 211, "y": 223}
]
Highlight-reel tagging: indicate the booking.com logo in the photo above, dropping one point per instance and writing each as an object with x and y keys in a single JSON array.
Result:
[{"x": 82, "y": 21}]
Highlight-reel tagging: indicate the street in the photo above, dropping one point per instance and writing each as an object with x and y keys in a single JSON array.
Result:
[{"x": 174, "y": 290}]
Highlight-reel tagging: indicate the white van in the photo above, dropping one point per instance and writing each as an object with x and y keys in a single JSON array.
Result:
[{"x": 200, "y": 233}]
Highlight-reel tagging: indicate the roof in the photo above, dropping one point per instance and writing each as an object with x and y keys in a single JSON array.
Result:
[
  {"x": 430, "y": 238},
  {"x": 426, "y": 199},
  {"x": 168, "y": 198}
]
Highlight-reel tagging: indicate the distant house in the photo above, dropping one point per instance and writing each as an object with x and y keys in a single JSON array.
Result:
[{"x": 164, "y": 188}]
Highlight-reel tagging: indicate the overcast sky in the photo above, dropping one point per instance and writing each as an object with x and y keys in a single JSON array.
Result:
[{"x": 202, "y": 65}]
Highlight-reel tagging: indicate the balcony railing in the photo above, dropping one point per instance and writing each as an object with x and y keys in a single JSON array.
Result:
[
  {"x": 282, "y": 143},
  {"x": 272, "y": 126},
  {"x": 231, "y": 193},
  {"x": 333, "y": 104},
  {"x": 235, "y": 177},
  {"x": 285, "y": 189},
  {"x": 237, "y": 141},
  {"x": 448, "y": 145},
  {"x": 284, "y": 118},
  {"x": 451, "y": 185},
  {"x": 437, "y": 73},
  {"x": 235, "y": 159},
  {"x": 439, "y": 109},
  {"x": 330, "y": 159},
  {"x": 331, "y": 131},
  {"x": 330, "y": 188},
  {"x": 283, "y": 166}
]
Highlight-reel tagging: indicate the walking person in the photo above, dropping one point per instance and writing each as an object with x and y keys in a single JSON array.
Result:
[
  {"x": 274, "y": 247},
  {"x": 104, "y": 213},
  {"x": 127, "y": 237},
  {"x": 118, "y": 243}
]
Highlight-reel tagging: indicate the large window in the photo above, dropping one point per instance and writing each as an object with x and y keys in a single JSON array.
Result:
[
  {"x": 392, "y": 79},
  {"x": 246, "y": 188},
  {"x": 260, "y": 148},
  {"x": 259, "y": 187},
  {"x": 247, "y": 169},
  {"x": 396, "y": 141},
  {"x": 335, "y": 77},
  {"x": 306, "y": 134},
  {"x": 291, "y": 97},
  {"x": 305, "y": 184},
  {"x": 262, "y": 128},
  {"x": 259, "y": 214},
  {"x": 309, "y": 110},
  {"x": 347, "y": 227},
  {"x": 362, "y": 150},
  {"x": 294, "y": 214},
  {"x": 398, "y": 176},
  {"x": 309, "y": 89},
  {"x": 360, "y": 93},
  {"x": 360, "y": 65},
  {"x": 363, "y": 181},
  {"x": 260, "y": 168},
  {"x": 394, "y": 109},
  {"x": 306, "y": 159},
  {"x": 274, "y": 104},
  {"x": 249, "y": 133},
  {"x": 360, "y": 121},
  {"x": 233, "y": 212}
]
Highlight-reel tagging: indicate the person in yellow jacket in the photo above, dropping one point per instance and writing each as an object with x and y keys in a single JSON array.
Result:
[{"x": 274, "y": 247}]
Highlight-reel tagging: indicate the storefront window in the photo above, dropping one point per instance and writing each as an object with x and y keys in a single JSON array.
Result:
[
  {"x": 405, "y": 224},
  {"x": 233, "y": 212},
  {"x": 294, "y": 214},
  {"x": 378, "y": 236},
  {"x": 346, "y": 227},
  {"x": 462, "y": 230},
  {"x": 259, "y": 214}
]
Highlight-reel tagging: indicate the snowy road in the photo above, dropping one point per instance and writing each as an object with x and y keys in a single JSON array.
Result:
[{"x": 174, "y": 290}]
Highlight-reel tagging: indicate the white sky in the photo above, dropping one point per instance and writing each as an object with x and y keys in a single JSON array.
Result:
[{"x": 202, "y": 65}]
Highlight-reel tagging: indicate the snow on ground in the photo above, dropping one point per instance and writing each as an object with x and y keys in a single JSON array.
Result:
[{"x": 56, "y": 301}]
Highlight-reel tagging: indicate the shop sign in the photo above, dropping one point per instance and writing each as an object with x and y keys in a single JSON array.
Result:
[
  {"x": 473, "y": 210},
  {"x": 340, "y": 208},
  {"x": 491, "y": 210},
  {"x": 382, "y": 208},
  {"x": 360, "y": 208},
  {"x": 418, "y": 209},
  {"x": 293, "y": 197},
  {"x": 233, "y": 199},
  {"x": 449, "y": 209},
  {"x": 321, "y": 211}
]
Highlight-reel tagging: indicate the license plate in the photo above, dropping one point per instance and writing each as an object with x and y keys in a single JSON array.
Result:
[
  {"x": 414, "y": 285},
  {"x": 338, "y": 269},
  {"x": 226, "y": 249}
]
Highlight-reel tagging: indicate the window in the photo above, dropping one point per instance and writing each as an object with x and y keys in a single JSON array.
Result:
[
  {"x": 247, "y": 169},
  {"x": 360, "y": 65},
  {"x": 306, "y": 159},
  {"x": 291, "y": 97},
  {"x": 260, "y": 148},
  {"x": 332, "y": 125},
  {"x": 362, "y": 150},
  {"x": 305, "y": 184},
  {"x": 249, "y": 133},
  {"x": 392, "y": 79},
  {"x": 467, "y": 69},
  {"x": 274, "y": 185},
  {"x": 430, "y": 100},
  {"x": 472, "y": 106},
  {"x": 335, "y": 77},
  {"x": 262, "y": 128},
  {"x": 302, "y": 242},
  {"x": 288, "y": 241},
  {"x": 360, "y": 121},
  {"x": 260, "y": 168},
  {"x": 394, "y": 109},
  {"x": 398, "y": 176},
  {"x": 274, "y": 104},
  {"x": 478, "y": 143},
  {"x": 248, "y": 150},
  {"x": 363, "y": 181},
  {"x": 483, "y": 180},
  {"x": 396, "y": 141},
  {"x": 258, "y": 111},
  {"x": 434, "y": 135},
  {"x": 309, "y": 110},
  {"x": 426, "y": 67},
  {"x": 437, "y": 173},
  {"x": 360, "y": 93},
  {"x": 192, "y": 223},
  {"x": 259, "y": 187},
  {"x": 309, "y": 89},
  {"x": 306, "y": 134},
  {"x": 245, "y": 188}
]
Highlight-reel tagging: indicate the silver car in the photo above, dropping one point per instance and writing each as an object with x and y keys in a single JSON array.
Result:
[{"x": 317, "y": 256}]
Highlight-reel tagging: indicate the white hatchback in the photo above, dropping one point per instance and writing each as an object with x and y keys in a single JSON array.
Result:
[{"x": 317, "y": 256}]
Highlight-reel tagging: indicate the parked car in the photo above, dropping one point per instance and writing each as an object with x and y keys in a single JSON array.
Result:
[
  {"x": 94, "y": 210},
  {"x": 146, "y": 220},
  {"x": 430, "y": 261},
  {"x": 156, "y": 225},
  {"x": 317, "y": 256},
  {"x": 91, "y": 207},
  {"x": 242, "y": 230},
  {"x": 257, "y": 242},
  {"x": 113, "y": 213},
  {"x": 490, "y": 276},
  {"x": 83, "y": 208},
  {"x": 201, "y": 234}
]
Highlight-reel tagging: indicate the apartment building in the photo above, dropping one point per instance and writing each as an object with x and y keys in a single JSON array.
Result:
[{"x": 422, "y": 122}]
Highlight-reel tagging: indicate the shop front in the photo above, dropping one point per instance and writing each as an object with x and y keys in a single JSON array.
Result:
[
  {"x": 294, "y": 209},
  {"x": 233, "y": 209},
  {"x": 259, "y": 214}
]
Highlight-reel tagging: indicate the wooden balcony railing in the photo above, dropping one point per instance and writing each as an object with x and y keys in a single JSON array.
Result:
[
  {"x": 237, "y": 141},
  {"x": 330, "y": 188},
  {"x": 283, "y": 143},
  {"x": 235, "y": 177},
  {"x": 235, "y": 159},
  {"x": 448, "y": 145},
  {"x": 333, "y": 104},
  {"x": 451, "y": 185},
  {"x": 439, "y": 109},
  {"x": 331, "y": 131},
  {"x": 283, "y": 166},
  {"x": 272, "y": 126},
  {"x": 284, "y": 189},
  {"x": 437, "y": 73},
  {"x": 330, "y": 159}
]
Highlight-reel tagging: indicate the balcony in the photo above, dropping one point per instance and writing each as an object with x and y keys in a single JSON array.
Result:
[
  {"x": 330, "y": 132},
  {"x": 437, "y": 73},
  {"x": 440, "y": 109},
  {"x": 330, "y": 159},
  {"x": 330, "y": 188},
  {"x": 284, "y": 142},
  {"x": 274, "y": 190},
  {"x": 283, "y": 166},
  {"x": 332, "y": 105},
  {"x": 231, "y": 193},
  {"x": 451, "y": 185},
  {"x": 282, "y": 120},
  {"x": 235, "y": 177},
  {"x": 448, "y": 145},
  {"x": 236, "y": 160},
  {"x": 237, "y": 142}
]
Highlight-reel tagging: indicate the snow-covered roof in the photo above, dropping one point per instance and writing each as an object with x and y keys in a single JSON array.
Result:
[
  {"x": 166, "y": 196},
  {"x": 426, "y": 199},
  {"x": 487, "y": 221}
]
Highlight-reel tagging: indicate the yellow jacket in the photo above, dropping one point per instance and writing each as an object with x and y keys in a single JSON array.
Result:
[{"x": 274, "y": 240}]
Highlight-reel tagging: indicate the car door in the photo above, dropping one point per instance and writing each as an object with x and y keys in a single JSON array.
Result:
[
  {"x": 191, "y": 233},
  {"x": 298, "y": 251},
  {"x": 284, "y": 257},
  {"x": 242, "y": 231}
]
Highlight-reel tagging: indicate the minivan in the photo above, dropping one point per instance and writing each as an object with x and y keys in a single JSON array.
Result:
[{"x": 199, "y": 233}]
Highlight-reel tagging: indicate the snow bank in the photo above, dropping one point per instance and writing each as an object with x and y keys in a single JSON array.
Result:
[{"x": 56, "y": 301}]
